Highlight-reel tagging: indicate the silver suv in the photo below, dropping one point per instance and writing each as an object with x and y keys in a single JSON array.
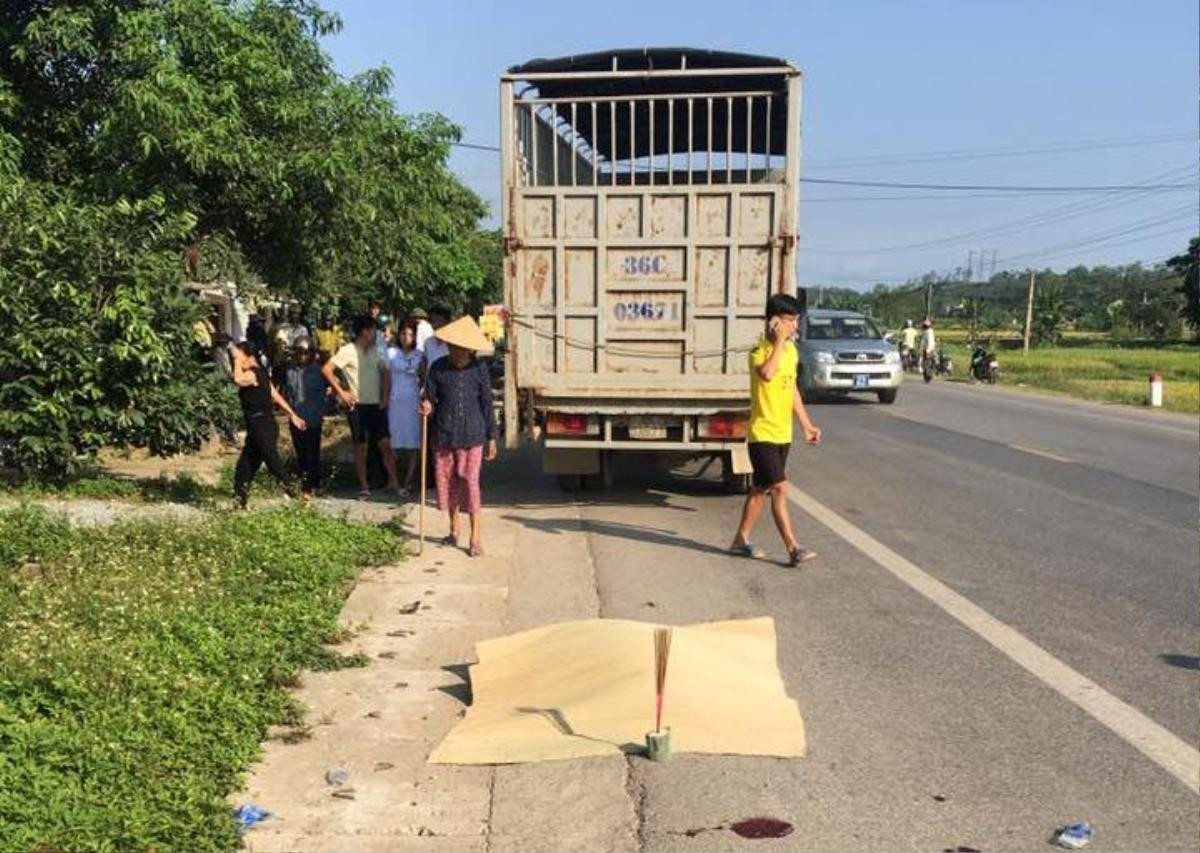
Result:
[{"x": 842, "y": 351}]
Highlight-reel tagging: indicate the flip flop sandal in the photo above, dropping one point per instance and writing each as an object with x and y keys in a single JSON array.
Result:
[
  {"x": 800, "y": 555},
  {"x": 449, "y": 539},
  {"x": 747, "y": 550},
  {"x": 364, "y": 494},
  {"x": 475, "y": 551}
]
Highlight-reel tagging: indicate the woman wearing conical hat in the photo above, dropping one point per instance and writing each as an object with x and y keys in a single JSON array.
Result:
[{"x": 458, "y": 397}]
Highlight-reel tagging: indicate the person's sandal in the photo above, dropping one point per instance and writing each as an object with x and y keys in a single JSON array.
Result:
[
  {"x": 364, "y": 494},
  {"x": 800, "y": 555},
  {"x": 475, "y": 551},
  {"x": 449, "y": 539},
  {"x": 747, "y": 550}
]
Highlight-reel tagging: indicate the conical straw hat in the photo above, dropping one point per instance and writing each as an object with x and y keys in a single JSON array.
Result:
[{"x": 464, "y": 332}]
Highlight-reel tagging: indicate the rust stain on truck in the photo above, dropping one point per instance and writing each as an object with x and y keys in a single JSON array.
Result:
[{"x": 649, "y": 197}]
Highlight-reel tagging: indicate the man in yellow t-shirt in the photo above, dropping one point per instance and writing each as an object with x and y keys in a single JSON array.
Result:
[{"x": 774, "y": 400}]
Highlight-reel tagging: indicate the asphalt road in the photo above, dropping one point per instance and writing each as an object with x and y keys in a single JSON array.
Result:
[{"x": 1074, "y": 525}]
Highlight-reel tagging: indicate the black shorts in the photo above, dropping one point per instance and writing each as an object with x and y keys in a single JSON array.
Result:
[
  {"x": 368, "y": 423},
  {"x": 769, "y": 461}
]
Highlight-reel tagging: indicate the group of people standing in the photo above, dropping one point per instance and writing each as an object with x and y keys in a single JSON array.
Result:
[{"x": 387, "y": 378}]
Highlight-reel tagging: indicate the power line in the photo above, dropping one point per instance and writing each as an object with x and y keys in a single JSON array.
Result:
[
  {"x": 1007, "y": 151},
  {"x": 1055, "y": 215},
  {"x": 476, "y": 147},
  {"x": 1103, "y": 188}
]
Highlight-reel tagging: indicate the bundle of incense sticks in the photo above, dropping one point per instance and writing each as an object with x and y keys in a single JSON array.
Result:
[{"x": 662, "y": 649}]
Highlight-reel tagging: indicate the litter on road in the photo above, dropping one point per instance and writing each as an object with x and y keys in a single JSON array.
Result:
[{"x": 1075, "y": 835}]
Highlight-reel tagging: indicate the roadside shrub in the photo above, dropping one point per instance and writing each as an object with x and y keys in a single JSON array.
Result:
[
  {"x": 143, "y": 664},
  {"x": 95, "y": 333}
]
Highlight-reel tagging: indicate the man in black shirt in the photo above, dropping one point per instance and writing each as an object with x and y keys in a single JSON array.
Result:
[{"x": 258, "y": 398}]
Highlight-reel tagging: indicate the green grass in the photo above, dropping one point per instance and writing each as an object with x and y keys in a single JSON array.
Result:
[
  {"x": 182, "y": 488},
  {"x": 143, "y": 664},
  {"x": 1112, "y": 374}
]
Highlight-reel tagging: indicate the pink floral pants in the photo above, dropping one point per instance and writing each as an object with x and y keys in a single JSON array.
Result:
[{"x": 457, "y": 471}]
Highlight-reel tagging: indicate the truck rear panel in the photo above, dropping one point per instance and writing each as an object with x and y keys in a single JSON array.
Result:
[{"x": 649, "y": 210}]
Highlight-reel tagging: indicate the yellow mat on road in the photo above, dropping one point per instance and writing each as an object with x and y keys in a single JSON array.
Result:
[{"x": 586, "y": 688}]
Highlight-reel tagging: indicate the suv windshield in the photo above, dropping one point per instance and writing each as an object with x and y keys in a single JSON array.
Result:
[{"x": 840, "y": 329}]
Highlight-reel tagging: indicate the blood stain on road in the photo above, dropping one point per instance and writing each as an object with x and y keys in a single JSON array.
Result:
[{"x": 762, "y": 827}]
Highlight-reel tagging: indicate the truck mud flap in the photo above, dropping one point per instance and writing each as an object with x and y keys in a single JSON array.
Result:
[{"x": 739, "y": 457}]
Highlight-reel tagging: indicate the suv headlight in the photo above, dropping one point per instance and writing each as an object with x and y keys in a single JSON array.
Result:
[
  {"x": 891, "y": 357},
  {"x": 823, "y": 357}
]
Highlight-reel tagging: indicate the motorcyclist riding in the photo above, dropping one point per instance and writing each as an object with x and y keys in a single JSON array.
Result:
[
  {"x": 928, "y": 348},
  {"x": 908, "y": 344}
]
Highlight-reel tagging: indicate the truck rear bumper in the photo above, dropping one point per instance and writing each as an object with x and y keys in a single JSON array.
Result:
[{"x": 699, "y": 446}]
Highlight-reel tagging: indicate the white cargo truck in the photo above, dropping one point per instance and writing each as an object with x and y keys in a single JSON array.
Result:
[{"x": 649, "y": 206}]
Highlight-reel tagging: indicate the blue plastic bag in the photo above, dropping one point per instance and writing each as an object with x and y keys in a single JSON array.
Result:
[{"x": 248, "y": 815}]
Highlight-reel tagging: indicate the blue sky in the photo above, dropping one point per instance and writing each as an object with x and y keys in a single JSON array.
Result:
[{"x": 1111, "y": 87}]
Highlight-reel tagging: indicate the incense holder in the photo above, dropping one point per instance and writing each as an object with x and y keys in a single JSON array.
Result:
[{"x": 658, "y": 745}]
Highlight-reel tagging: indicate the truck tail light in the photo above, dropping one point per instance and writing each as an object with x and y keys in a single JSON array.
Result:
[
  {"x": 722, "y": 426},
  {"x": 558, "y": 423}
]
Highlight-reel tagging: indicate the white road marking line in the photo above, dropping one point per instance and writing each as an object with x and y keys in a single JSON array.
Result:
[
  {"x": 1045, "y": 454},
  {"x": 1167, "y": 750}
]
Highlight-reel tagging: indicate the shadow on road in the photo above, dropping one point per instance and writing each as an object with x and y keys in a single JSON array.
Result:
[
  {"x": 461, "y": 691},
  {"x": 616, "y": 530},
  {"x": 516, "y": 481},
  {"x": 1181, "y": 661}
]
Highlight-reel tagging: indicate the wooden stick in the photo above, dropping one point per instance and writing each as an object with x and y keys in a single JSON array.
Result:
[{"x": 421, "y": 505}]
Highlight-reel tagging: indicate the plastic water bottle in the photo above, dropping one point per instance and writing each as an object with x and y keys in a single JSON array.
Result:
[{"x": 1078, "y": 834}]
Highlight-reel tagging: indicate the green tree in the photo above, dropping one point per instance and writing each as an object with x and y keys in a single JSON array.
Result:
[
  {"x": 1187, "y": 266},
  {"x": 1050, "y": 312},
  {"x": 136, "y": 133}
]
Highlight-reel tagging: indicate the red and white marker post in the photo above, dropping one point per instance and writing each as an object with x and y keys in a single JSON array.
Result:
[{"x": 1156, "y": 390}]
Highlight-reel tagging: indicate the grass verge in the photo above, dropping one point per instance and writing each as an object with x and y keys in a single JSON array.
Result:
[
  {"x": 143, "y": 664},
  {"x": 1105, "y": 374}
]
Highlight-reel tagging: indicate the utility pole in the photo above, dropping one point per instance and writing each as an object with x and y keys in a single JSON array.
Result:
[
  {"x": 929, "y": 299},
  {"x": 1029, "y": 307}
]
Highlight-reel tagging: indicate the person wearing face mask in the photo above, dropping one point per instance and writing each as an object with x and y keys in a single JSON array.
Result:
[{"x": 306, "y": 392}]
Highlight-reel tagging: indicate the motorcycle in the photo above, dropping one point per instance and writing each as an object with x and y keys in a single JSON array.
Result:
[
  {"x": 908, "y": 358},
  {"x": 985, "y": 367},
  {"x": 937, "y": 363}
]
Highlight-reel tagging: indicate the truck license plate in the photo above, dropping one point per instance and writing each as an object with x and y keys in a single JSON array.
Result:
[
  {"x": 861, "y": 380},
  {"x": 648, "y": 427}
]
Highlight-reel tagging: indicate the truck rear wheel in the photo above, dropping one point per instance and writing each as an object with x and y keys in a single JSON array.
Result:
[
  {"x": 602, "y": 480},
  {"x": 570, "y": 482}
]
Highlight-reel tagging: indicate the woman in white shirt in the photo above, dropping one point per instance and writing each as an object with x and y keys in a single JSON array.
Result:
[{"x": 406, "y": 364}]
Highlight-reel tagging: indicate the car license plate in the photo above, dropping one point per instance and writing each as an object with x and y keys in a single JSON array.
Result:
[{"x": 861, "y": 380}]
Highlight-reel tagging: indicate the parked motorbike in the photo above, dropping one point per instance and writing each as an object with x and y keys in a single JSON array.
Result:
[{"x": 985, "y": 367}]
